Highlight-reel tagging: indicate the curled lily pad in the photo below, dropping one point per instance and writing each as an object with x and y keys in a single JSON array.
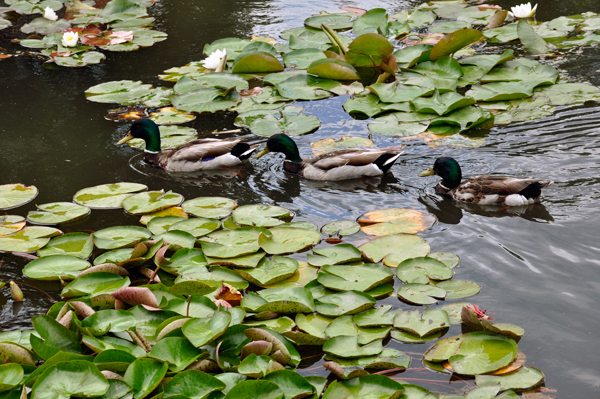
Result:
[
  {"x": 261, "y": 215},
  {"x": 209, "y": 207},
  {"x": 57, "y": 212},
  {"x": 95, "y": 284},
  {"x": 30, "y": 239},
  {"x": 119, "y": 236},
  {"x": 421, "y": 294},
  {"x": 151, "y": 201},
  {"x": 454, "y": 41},
  {"x": 523, "y": 379},
  {"x": 341, "y": 227},
  {"x": 332, "y": 68},
  {"x": 396, "y": 220},
  {"x": 107, "y": 195},
  {"x": 76, "y": 244},
  {"x": 257, "y": 62},
  {"x": 14, "y": 195},
  {"x": 11, "y": 375},
  {"x": 287, "y": 240},
  {"x": 10, "y": 224}
]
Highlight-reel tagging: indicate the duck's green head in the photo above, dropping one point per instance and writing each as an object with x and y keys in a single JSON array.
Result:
[
  {"x": 146, "y": 130},
  {"x": 284, "y": 144},
  {"x": 448, "y": 169}
]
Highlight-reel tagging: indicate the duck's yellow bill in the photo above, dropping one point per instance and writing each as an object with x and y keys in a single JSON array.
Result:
[
  {"x": 263, "y": 152},
  {"x": 126, "y": 138},
  {"x": 428, "y": 172}
]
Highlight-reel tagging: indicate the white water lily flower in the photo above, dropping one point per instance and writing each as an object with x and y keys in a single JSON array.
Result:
[
  {"x": 523, "y": 11},
  {"x": 50, "y": 14},
  {"x": 213, "y": 60},
  {"x": 70, "y": 39}
]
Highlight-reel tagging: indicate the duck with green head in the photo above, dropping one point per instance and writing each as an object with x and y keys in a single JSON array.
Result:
[
  {"x": 335, "y": 165},
  {"x": 201, "y": 154},
  {"x": 484, "y": 190}
]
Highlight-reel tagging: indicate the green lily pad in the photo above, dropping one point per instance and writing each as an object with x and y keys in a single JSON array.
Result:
[
  {"x": 170, "y": 116},
  {"x": 333, "y": 68},
  {"x": 291, "y": 383},
  {"x": 53, "y": 338},
  {"x": 441, "y": 104},
  {"x": 107, "y": 195},
  {"x": 569, "y": 93},
  {"x": 395, "y": 248},
  {"x": 344, "y": 326},
  {"x": 178, "y": 352},
  {"x": 119, "y": 236},
  {"x": 531, "y": 40},
  {"x": 268, "y": 272},
  {"x": 66, "y": 379},
  {"x": 30, "y": 239},
  {"x": 474, "y": 353},
  {"x": 160, "y": 225},
  {"x": 475, "y": 16},
  {"x": 255, "y": 389},
  {"x": 358, "y": 278},
  {"x": 232, "y": 243},
  {"x": 288, "y": 240},
  {"x": 409, "y": 338},
  {"x": 367, "y": 386},
  {"x": 448, "y": 258},
  {"x": 501, "y": 91},
  {"x": 258, "y": 62},
  {"x": 457, "y": 289},
  {"x": 280, "y": 343},
  {"x": 285, "y": 300},
  {"x": 455, "y": 41},
  {"x": 396, "y": 92},
  {"x": 151, "y": 201},
  {"x": 261, "y": 215},
  {"x": 232, "y": 45},
  {"x": 488, "y": 61},
  {"x": 342, "y": 253},
  {"x": 57, "y": 212},
  {"x": 94, "y": 284},
  {"x": 421, "y": 294},
  {"x": 14, "y": 195},
  {"x": 55, "y": 267},
  {"x": 502, "y": 34},
  {"x": 215, "y": 278},
  {"x": 347, "y": 346},
  {"x": 209, "y": 207},
  {"x": 75, "y": 244},
  {"x": 197, "y": 227},
  {"x": 430, "y": 322},
  {"x": 523, "y": 379},
  {"x": 344, "y": 303},
  {"x": 339, "y": 21},
  {"x": 144, "y": 375},
  {"x": 125, "y": 92},
  {"x": 341, "y": 227},
  {"x": 387, "y": 359},
  {"x": 303, "y": 58},
  {"x": 422, "y": 270},
  {"x": 292, "y": 125},
  {"x": 409, "y": 56},
  {"x": 194, "y": 384},
  {"x": 205, "y": 330},
  {"x": 10, "y": 224},
  {"x": 305, "y": 87}
]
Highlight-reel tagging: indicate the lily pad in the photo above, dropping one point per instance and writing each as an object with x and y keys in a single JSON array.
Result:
[
  {"x": 333, "y": 68},
  {"x": 170, "y": 116},
  {"x": 95, "y": 284},
  {"x": 305, "y": 87},
  {"x": 303, "y": 58},
  {"x": 342, "y": 253},
  {"x": 523, "y": 379},
  {"x": 143, "y": 376},
  {"x": 75, "y": 244},
  {"x": 448, "y": 258},
  {"x": 374, "y": 385},
  {"x": 255, "y": 389},
  {"x": 455, "y": 41},
  {"x": 210, "y": 207},
  {"x": 531, "y": 40},
  {"x": 205, "y": 330},
  {"x": 335, "y": 21},
  {"x": 258, "y": 62},
  {"x": 474, "y": 353},
  {"x": 457, "y": 289},
  {"x": 66, "y": 379},
  {"x": 119, "y": 236},
  {"x": 232, "y": 243},
  {"x": 197, "y": 227},
  {"x": 395, "y": 248},
  {"x": 10, "y": 224},
  {"x": 30, "y": 239},
  {"x": 151, "y": 201},
  {"x": 341, "y": 228},
  {"x": 55, "y": 267},
  {"x": 14, "y": 195},
  {"x": 396, "y": 220},
  {"x": 347, "y": 346},
  {"x": 422, "y": 270},
  {"x": 261, "y": 215},
  {"x": 292, "y": 125},
  {"x": 429, "y": 323},
  {"x": 421, "y": 294},
  {"x": 344, "y": 303},
  {"x": 107, "y": 195},
  {"x": 194, "y": 384},
  {"x": 358, "y": 278},
  {"x": 57, "y": 212},
  {"x": 268, "y": 272},
  {"x": 287, "y": 240}
]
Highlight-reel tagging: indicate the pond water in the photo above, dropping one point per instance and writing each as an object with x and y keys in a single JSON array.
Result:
[{"x": 539, "y": 267}]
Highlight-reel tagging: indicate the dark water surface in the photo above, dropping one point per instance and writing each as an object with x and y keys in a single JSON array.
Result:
[{"x": 539, "y": 267}]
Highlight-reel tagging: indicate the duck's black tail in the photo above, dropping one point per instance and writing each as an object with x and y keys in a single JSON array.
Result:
[
  {"x": 534, "y": 190},
  {"x": 243, "y": 150},
  {"x": 385, "y": 161}
]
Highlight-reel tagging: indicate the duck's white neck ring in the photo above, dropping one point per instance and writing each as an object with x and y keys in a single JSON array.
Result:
[
  {"x": 151, "y": 152},
  {"x": 444, "y": 187}
]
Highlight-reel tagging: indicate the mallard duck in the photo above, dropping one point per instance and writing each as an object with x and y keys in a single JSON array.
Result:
[
  {"x": 201, "y": 154},
  {"x": 484, "y": 190},
  {"x": 334, "y": 165}
]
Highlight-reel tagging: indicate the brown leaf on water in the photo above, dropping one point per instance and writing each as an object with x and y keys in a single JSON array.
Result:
[
  {"x": 91, "y": 30},
  {"x": 127, "y": 114},
  {"x": 3, "y": 56},
  {"x": 255, "y": 91},
  {"x": 396, "y": 220},
  {"x": 333, "y": 240},
  {"x": 228, "y": 294}
]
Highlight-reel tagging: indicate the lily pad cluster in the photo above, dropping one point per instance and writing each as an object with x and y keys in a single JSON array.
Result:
[
  {"x": 208, "y": 298},
  {"x": 423, "y": 72},
  {"x": 73, "y": 40}
]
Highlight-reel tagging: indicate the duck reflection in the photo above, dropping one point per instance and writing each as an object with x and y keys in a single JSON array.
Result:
[{"x": 451, "y": 212}]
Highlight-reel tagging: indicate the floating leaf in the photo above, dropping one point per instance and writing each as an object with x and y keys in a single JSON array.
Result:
[
  {"x": 75, "y": 244},
  {"x": 340, "y": 304},
  {"x": 73, "y": 378},
  {"x": 30, "y": 239},
  {"x": 531, "y": 40},
  {"x": 144, "y": 375},
  {"x": 422, "y": 270},
  {"x": 347, "y": 346},
  {"x": 359, "y": 278},
  {"x": 454, "y": 41},
  {"x": 119, "y": 236},
  {"x": 292, "y": 125},
  {"x": 10, "y": 224},
  {"x": 303, "y": 58},
  {"x": 259, "y": 62},
  {"x": 107, "y": 195},
  {"x": 14, "y": 195},
  {"x": 523, "y": 379},
  {"x": 95, "y": 284},
  {"x": 151, "y": 201},
  {"x": 395, "y": 248},
  {"x": 57, "y": 212},
  {"x": 430, "y": 322},
  {"x": 396, "y": 220},
  {"x": 335, "y": 21},
  {"x": 457, "y": 289},
  {"x": 209, "y": 207},
  {"x": 421, "y": 294},
  {"x": 268, "y": 272},
  {"x": 170, "y": 137},
  {"x": 342, "y": 253},
  {"x": 261, "y": 215},
  {"x": 55, "y": 267},
  {"x": 287, "y": 240}
]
